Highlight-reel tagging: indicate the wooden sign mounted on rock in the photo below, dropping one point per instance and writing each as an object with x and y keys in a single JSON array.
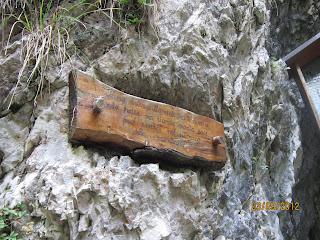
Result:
[{"x": 152, "y": 131}]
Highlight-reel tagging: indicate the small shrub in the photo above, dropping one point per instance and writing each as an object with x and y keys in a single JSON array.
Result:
[
  {"x": 9, "y": 216},
  {"x": 135, "y": 12}
]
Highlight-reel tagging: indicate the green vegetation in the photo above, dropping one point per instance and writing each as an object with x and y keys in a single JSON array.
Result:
[
  {"x": 46, "y": 27},
  {"x": 136, "y": 12},
  {"x": 275, "y": 67},
  {"x": 8, "y": 218}
]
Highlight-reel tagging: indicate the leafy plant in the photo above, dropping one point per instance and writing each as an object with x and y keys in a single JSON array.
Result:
[
  {"x": 13, "y": 236},
  {"x": 135, "y": 12},
  {"x": 134, "y": 20},
  {"x": 7, "y": 218}
]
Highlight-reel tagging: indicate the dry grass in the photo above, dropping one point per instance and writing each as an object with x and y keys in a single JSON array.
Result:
[
  {"x": 11, "y": 5},
  {"x": 46, "y": 29},
  {"x": 43, "y": 35}
]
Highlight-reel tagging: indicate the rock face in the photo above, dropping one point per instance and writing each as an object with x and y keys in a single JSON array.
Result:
[
  {"x": 209, "y": 57},
  {"x": 292, "y": 23}
]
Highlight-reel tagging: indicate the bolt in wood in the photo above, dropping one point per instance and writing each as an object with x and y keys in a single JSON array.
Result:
[
  {"x": 217, "y": 140},
  {"x": 97, "y": 105},
  {"x": 149, "y": 130}
]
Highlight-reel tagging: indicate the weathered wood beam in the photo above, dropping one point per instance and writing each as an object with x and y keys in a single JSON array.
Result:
[
  {"x": 305, "y": 53},
  {"x": 296, "y": 60},
  {"x": 301, "y": 82},
  {"x": 150, "y": 130}
]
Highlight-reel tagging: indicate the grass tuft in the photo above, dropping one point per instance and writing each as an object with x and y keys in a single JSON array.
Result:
[{"x": 47, "y": 25}]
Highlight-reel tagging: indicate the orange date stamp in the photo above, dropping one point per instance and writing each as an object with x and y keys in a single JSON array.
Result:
[{"x": 275, "y": 206}]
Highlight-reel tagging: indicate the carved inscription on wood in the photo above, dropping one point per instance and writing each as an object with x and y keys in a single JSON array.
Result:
[{"x": 102, "y": 114}]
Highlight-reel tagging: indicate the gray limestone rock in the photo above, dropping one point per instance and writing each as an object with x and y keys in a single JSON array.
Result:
[{"x": 209, "y": 57}]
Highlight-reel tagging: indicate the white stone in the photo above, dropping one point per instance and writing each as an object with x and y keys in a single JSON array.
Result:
[{"x": 221, "y": 237}]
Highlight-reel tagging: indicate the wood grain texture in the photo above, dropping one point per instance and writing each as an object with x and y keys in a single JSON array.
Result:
[{"x": 140, "y": 124}]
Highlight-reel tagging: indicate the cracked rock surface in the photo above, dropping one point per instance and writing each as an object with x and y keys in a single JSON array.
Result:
[{"x": 209, "y": 57}]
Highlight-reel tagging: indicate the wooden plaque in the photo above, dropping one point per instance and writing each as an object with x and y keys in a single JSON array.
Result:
[{"x": 152, "y": 131}]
